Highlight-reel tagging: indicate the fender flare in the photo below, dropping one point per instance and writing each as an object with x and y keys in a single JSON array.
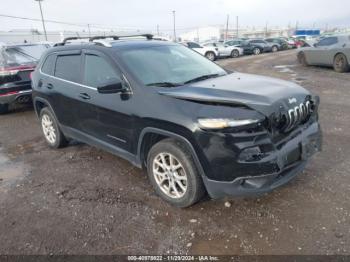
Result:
[{"x": 188, "y": 144}]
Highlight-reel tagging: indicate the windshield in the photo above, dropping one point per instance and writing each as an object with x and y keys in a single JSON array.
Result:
[{"x": 169, "y": 64}]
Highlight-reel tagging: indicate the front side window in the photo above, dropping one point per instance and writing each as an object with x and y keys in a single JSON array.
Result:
[
  {"x": 98, "y": 72},
  {"x": 68, "y": 67},
  {"x": 167, "y": 63}
]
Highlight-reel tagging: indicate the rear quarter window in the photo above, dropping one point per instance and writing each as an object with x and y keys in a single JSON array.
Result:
[
  {"x": 49, "y": 64},
  {"x": 68, "y": 67}
]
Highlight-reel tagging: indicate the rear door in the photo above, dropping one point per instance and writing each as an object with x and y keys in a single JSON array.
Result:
[{"x": 62, "y": 87}]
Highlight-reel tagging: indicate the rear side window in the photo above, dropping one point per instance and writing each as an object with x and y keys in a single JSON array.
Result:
[
  {"x": 49, "y": 65},
  {"x": 328, "y": 41},
  {"x": 98, "y": 72},
  {"x": 68, "y": 67}
]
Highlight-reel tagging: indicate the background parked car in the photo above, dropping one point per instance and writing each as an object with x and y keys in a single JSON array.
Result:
[
  {"x": 330, "y": 51},
  {"x": 225, "y": 50},
  {"x": 250, "y": 47},
  {"x": 212, "y": 53},
  {"x": 16, "y": 64},
  {"x": 282, "y": 43},
  {"x": 265, "y": 46},
  {"x": 234, "y": 42}
]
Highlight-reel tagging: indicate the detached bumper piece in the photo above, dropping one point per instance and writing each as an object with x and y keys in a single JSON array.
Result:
[{"x": 289, "y": 161}]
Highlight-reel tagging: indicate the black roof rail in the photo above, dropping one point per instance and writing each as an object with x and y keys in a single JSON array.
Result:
[
  {"x": 93, "y": 38},
  {"x": 117, "y": 37}
]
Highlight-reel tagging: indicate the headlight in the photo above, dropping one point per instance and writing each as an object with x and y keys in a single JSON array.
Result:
[{"x": 219, "y": 123}]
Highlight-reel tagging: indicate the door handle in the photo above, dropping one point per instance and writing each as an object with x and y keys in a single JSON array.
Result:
[
  {"x": 49, "y": 86},
  {"x": 84, "y": 96}
]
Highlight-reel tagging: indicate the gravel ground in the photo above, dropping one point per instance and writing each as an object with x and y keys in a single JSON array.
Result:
[{"x": 80, "y": 200}]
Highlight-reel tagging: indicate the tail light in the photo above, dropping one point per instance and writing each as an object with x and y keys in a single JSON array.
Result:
[
  {"x": 10, "y": 71},
  {"x": 9, "y": 93}
]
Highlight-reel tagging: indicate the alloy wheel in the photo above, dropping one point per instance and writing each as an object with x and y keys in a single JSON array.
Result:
[
  {"x": 170, "y": 175},
  {"x": 210, "y": 56},
  {"x": 48, "y": 128}
]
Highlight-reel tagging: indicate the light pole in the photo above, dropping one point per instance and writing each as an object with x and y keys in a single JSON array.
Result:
[
  {"x": 174, "y": 27},
  {"x": 42, "y": 17}
]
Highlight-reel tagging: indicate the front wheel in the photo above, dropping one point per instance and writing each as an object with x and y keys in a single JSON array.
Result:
[
  {"x": 256, "y": 51},
  {"x": 52, "y": 133},
  {"x": 274, "y": 49},
  {"x": 211, "y": 56},
  {"x": 341, "y": 64},
  {"x": 4, "y": 108},
  {"x": 173, "y": 173},
  {"x": 234, "y": 53}
]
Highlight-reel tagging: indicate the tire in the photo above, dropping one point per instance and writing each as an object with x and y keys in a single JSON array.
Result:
[
  {"x": 166, "y": 181},
  {"x": 341, "y": 64},
  {"x": 274, "y": 49},
  {"x": 302, "y": 59},
  {"x": 52, "y": 133},
  {"x": 210, "y": 55},
  {"x": 256, "y": 51},
  {"x": 4, "y": 108},
  {"x": 235, "y": 53}
]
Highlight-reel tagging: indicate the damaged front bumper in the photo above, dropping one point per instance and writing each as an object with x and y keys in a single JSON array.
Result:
[{"x": 275, "y": 169}]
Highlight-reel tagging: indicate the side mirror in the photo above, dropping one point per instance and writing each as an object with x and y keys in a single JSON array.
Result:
[{"x": 112, "y": 86}]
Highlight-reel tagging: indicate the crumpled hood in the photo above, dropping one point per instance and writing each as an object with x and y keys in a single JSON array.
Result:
[{"x": 263, "y": 94}]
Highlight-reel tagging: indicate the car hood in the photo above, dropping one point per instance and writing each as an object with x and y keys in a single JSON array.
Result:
[{"x": 263, "y": 94}]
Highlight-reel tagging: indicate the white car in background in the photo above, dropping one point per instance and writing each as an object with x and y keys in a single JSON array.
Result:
[
  {"x": 210, "y": 52},
  {"x": 225, "y": 50}
]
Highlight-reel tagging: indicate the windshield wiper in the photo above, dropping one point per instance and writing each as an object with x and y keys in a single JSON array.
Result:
[
  {"x": 164, "y": 84},
  {"x": 203, "y": 77}
]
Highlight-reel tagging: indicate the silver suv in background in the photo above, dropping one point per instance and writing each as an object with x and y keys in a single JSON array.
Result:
[{"x": 225, "y": 50}]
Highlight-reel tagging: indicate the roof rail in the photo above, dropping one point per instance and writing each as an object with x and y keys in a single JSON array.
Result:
[
  {"x": 117, "y": 37},
  {"x": 94, "y": 38}
]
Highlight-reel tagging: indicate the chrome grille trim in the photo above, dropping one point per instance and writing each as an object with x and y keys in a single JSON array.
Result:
[{"x": 297, "y": 115}]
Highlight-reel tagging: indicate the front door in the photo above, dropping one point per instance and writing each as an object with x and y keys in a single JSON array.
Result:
[{"x": 112, "y": 121}]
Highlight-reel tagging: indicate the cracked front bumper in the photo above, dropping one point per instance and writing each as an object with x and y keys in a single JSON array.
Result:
[{"x": 287, "y": 161}]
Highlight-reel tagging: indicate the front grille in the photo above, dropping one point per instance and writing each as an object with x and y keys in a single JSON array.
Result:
[{"x": 295, "y": 116}]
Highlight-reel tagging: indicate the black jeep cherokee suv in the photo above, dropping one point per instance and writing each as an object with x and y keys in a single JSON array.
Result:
[{"x": 194, "y": 126}]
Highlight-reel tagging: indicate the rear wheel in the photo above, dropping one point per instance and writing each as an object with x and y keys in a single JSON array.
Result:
[
  {"x": 210, "y": 55},
  {"x": 53, "y": 135},
  {"x": 234, "y": 53},
  {"x": 173, "y": 173},
  {"x": 341, "y": 64},
  {"x": 4, "y": 108},
  {"x": 256, "y": 51},
  {"x": 302, "y": 59}
]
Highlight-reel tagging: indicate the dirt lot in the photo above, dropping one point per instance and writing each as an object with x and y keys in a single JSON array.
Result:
[{"x": 80, "y": 200}]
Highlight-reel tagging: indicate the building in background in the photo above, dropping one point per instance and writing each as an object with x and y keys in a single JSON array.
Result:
[{"x": 203, "y": 34}]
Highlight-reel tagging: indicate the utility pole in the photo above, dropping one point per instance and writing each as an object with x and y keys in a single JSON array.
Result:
[
  {"x": 158, "y": 30},
  {"x": 266, "y": 29},
  {"x": 89, "y": 30},
  {"x": 237, "y": 26},
  {"x": 42, "y": 18},
  {"x": 174, "y": 26},
  {"x": 228, "y": 18}
]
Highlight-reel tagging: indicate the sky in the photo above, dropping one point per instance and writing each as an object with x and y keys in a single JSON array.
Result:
[{"x": 145, "y": 15}]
